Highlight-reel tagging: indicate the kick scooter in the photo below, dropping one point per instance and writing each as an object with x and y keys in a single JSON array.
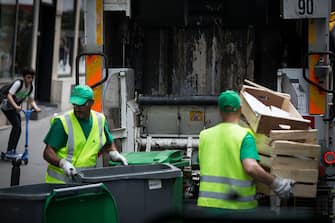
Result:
[{"x": 21, "y": 156}]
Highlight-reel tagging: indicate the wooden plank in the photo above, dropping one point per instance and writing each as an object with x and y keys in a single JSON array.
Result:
[
  {"x": 264, "y": 123},
  {"x": 310, "y": 140},
  {"x": 264, "y": 150},
  {"x": 263, "y": 144},
  {"x": 305, "y": 190},
  {"x": 299, "y": 190},
  {"x": 288, "y": 148},
  {"x": 262, "y": 188},
  {"x": 295, "y": 163},
  {"x": 268, "y": 123},
  {"x": 267, "y": 89},
  {"x": 284, "y": 147},
  {"x": 292, "y": 162},
  {"x": 266, "y": 161},
  {"x": 249, "y": 114},
  {"x": 306, "y": 136},
  {"x": 299, "y": 175}
]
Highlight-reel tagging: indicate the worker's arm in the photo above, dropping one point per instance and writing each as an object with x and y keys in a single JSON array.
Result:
[
  {"x": 114, "y": 154},
  {"x": 281, "y": 186},
  {"x": 110, "y": 144},
  {"x": 50, "y": 156},
  {"x": 110, "y": 147},
  {"x": 55, "y": 139},
  {"x": 249, "y": 156},
  {"x": 253, "y": 169}
]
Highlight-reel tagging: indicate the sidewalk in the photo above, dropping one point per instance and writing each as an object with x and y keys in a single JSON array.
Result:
[{"x": 34, "y": 171}]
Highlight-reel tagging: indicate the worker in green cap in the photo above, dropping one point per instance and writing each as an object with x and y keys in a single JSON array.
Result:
[
  {"x": 228, "y": 162},
  {"x": 75, "y": 139}
]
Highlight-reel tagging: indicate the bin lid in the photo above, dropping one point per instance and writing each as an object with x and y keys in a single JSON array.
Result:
[
  {"x": 86, "y": 203},
  {"x": 130, "y": 172},
  {"x": 31, "y": 192},
  {"x": 165, "y": 156},
  {"x": 181, "y": 163}
]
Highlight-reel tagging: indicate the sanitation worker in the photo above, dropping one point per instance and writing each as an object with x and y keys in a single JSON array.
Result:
[
  {"x": 228, "y": 162},
  {"x": 75, "y": 139}
]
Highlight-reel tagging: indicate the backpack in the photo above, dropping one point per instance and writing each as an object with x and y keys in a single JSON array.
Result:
[{"x": 5, "y": 90}]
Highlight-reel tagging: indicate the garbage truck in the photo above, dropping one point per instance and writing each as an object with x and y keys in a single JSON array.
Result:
[{"x": 176, "y": 57}]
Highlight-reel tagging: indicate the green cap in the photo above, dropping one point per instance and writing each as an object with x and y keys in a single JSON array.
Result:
[
  {"x": 80, "y": 94},
  {"x": 229, "y": 101}
]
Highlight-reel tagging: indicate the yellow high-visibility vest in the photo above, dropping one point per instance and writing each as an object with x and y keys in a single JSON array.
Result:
[
  {"x": 81, "y": 152},
  {"x": 223, "y": 181}
]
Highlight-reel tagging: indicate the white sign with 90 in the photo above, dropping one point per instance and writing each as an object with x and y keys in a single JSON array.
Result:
[{"x": 297, "y": 9}]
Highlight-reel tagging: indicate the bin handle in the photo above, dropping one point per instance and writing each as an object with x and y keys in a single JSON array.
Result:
[{"x": 62, "y": 192}]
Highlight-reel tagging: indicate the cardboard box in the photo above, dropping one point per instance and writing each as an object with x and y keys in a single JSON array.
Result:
[{"x": 258, "y": 108}]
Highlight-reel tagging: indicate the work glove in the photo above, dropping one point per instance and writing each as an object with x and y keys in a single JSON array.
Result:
[
  {"x": 68, "y": 168},
  {"x": 282, "y": 186},
  {"x": 116, "y": 156}
]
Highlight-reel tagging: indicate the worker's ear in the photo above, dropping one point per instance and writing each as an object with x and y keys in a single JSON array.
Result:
[{"x": 89, "y": 103}]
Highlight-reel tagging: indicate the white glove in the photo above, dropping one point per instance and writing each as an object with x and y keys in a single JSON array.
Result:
[
  {"x": 116, "y": 156},
  {"x": 282, "y": 186},
  {"x": 68, "y": 168}
]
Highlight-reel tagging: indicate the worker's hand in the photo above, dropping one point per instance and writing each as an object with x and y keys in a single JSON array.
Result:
[
  {"x": 116, "y": 156},
  {"x": 68, "y": 168},
  {"x": 282, "y": 186},
  {"x": 37, "y": 109}
]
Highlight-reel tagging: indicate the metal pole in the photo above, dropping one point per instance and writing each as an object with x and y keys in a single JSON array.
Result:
[
  {"x": 35, "y": 34},
  {"x": 15, "y": 37}
]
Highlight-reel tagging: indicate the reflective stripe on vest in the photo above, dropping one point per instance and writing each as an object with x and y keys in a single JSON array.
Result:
[
  {"x": 226, "y": 196},
  {"x": 226, "y": 180},
  {"x": 70, "y": 139},
  {"x": 99, "y": 117}
]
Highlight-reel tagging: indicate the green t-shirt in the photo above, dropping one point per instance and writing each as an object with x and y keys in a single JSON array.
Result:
[
  {"x": 57, "y": 138},
  {"x": 248, "y": 148}
]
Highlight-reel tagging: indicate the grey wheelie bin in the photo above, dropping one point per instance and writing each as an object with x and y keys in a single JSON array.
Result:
[
  {"x": 141, "y": 192},
  {"x": 57, "y": 203}
]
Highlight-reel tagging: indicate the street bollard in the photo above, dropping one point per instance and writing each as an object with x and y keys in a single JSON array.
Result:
[{"x": 15, "y": 176}]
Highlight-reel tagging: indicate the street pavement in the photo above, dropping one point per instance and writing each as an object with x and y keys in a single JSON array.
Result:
[{"x": 34, "y": 171}]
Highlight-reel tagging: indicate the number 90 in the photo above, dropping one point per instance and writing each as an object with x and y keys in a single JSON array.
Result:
[{"x": 305, "y": 7}]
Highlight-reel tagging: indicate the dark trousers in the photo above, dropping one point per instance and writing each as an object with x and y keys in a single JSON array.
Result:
[{"x": 15, "y": 120}]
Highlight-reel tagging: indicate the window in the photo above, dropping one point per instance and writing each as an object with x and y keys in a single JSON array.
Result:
[
  {"x": 66, "y": 39},
  {"x": 7, "y": 30},
  {"x": 81, "y": 38},
  {"x": 24, "y": 37}
]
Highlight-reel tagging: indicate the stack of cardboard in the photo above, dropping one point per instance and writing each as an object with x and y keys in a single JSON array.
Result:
[{"x": 287, "y": 146}]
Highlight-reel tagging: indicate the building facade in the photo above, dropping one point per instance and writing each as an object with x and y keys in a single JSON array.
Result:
[{"x": 45, "y": 35}]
